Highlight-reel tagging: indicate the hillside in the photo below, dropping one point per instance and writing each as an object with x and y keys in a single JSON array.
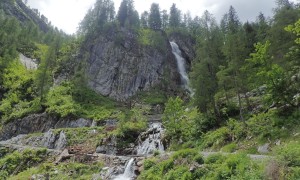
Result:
[{"x": 153, "y": 96}]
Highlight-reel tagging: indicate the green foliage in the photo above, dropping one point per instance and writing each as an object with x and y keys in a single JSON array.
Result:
[
  {"x": 216, "y": 166},
  {"x": 178, "y": 120},
  {"x": 216, "y": 139},
  {"x": 153, "y": 97},
  {"x": 151, "y": 38},
  {"x": 70, "y": 100},
  {"x": 60, "y": 101},
  {"x": 230, "y": 148},
  {"x": 19, "y": 98},
  {"x": 132, "y": 123},
  {"x": 68, "y": 170},
  {"x": 265, "y": 126},
  {"x": 17, "y": 162},
  {"x": 149, "y": 163}
]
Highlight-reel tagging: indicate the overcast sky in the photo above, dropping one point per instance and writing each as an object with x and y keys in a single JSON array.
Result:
[{"x": 66, "y": 14}]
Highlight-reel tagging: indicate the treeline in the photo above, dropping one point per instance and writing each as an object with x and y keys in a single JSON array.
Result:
[
  {"x": 22, "y": 90},
  {"x": 235, "y": 58},
  {"x": 103, "y": 15}
]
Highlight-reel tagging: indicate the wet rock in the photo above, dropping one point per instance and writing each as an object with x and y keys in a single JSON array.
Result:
[
  {"x": 264, "y": 148},
  {"x": 151, "y": 140}
]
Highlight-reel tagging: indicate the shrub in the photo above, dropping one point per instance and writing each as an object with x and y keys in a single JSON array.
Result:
[
  {"x": 230, "y": 148},
  {"x": 59, "y": 100},
  {"x": 216, "y": 138},
  {"x": 149, "y": 163}
]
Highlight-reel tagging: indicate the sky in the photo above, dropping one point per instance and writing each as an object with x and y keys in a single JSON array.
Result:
[{"x": 66, "y": 14}]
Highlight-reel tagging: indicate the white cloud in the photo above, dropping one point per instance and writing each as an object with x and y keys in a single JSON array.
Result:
[{"x": 66, "y": 14}]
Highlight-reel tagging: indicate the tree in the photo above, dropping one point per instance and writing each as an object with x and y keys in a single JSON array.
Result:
[
  {"x": 234, "y": 51},
  {"x": 144, "y": 19},
  {"x": 154, "y": 17},
  {"x": 44, "y": 74},
  {"x": 286, "y": 13},
  {"x": 175, "y": 17},
  {"x": 127, "y": 15},
  {"x": 164, "y": 19},
  {"x": 94, "y": 21},
  {"x": 206, "y": 64},
  {"x": 262, "y": 29},
  {"x": 179, "y": 122}
]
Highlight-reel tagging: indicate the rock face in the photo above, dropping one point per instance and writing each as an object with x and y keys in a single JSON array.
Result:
[
  {"x": 186, "y": 44},
  {"x": 39, "y": 123},
  {"x": 120, "y": 67},
  {"x": 21, "y": 12}
]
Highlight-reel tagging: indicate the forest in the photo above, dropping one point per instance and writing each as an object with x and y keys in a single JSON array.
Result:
[{"x": 244, "y": 76}]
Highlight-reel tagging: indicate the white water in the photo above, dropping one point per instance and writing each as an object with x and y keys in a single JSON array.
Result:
[
  {"x": 129, "y": 171},
  {"x": 181, "y": 66},
  {"x": 153, "y": 141}
]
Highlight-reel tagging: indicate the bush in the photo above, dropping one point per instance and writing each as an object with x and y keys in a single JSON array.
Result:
[
  {"x": 216, "y": 138},
  {"x": 230, "y": 148},
  {"x": 185, "y": 153},
  {"x": 264, "y": 126},
  {"x": 149, "y": 163},
  {"x": 59, "y": 100},
  {"x": 148, "y": 37},
  {"x": 17, "y": 162}
]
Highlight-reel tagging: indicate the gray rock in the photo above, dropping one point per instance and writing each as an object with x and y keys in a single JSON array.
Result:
[
  {"x": 70, "y": 123},
  {"x": 49, "y": 139},
  {"x": 264, "y": 148},
  {"x": 121, "y": 69},
  {"x": 30, "y": 124},
  {"x": 61, "y": 142},
  {"x": 40, "y": 123}
]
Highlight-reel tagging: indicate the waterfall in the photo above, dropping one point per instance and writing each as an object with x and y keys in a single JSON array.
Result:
[
  {"x": 181, "y": 66},
  {"x": 129, "y": 171},
  {"x": 150, "y": 141}
]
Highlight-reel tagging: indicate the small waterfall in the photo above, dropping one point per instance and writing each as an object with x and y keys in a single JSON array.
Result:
[
  {"x": 150, "y": 141},
  {"x": 129, "y": 171},
  {"x": 181, "y": 66}
]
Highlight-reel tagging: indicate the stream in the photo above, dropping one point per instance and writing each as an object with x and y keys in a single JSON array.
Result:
[{"x": 148, "y": 143}]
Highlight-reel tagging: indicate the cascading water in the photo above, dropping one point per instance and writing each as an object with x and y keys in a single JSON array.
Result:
[
  {"x": 181, "y": 66},
  {"x": 150, "y": 141},
  {"x": 129, "y": 171}
]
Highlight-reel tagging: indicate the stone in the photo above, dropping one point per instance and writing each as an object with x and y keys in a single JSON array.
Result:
[
  {"x": 264, "y": 148},
  {"x": 120, "y": 70},
  {"x": 278, "y": 143},
  {"x": 49, "y": 139},
  {"x": 61, "y": 142},
  {"x": 101, "y": 149}
]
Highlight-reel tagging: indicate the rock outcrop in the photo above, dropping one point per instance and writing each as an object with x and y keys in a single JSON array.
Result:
[
  {"x": 186, "y": 44},
  {"x": 39, "y": 123},
  {"x": 23, "y": 13},
  {"x": 119, "y": 66}
]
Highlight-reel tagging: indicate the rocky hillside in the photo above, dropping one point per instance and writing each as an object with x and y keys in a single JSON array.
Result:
[
  {"x": 119, "y": 65},
  {"x": 24, "y": 14}
]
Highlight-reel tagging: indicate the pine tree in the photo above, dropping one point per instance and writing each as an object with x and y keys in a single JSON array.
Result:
[
  {"x": 175, "y": 17},
  {"x": 154, "y": 17}
]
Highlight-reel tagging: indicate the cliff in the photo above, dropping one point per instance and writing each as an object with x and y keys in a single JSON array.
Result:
[
  {"x": 119, "y": 65},
  {"x": 22, "y": 13}
]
